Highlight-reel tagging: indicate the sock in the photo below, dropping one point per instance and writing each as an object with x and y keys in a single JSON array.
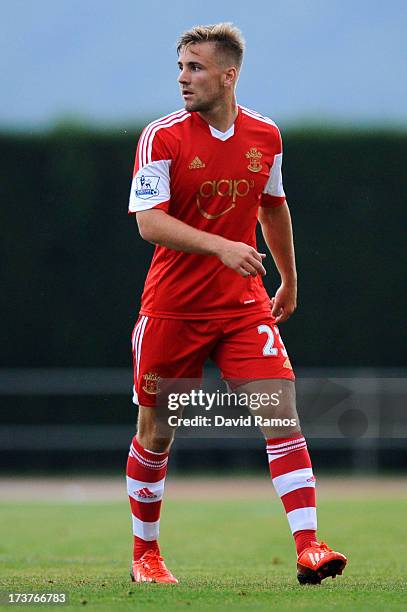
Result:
[
  {"x": 294, "y": 482},
  {"x": 303, "y": 539},
  {"x": 145, "y": 475}
]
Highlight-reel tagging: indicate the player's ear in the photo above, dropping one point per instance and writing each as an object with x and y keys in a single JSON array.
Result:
[{"x": 230, "y": 75}]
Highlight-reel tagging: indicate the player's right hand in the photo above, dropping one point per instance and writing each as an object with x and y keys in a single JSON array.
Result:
[{"x": 242, "y": 258}]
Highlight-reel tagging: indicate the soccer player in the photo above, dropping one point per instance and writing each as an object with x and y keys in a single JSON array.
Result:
[{"x": 203, "y": 176}]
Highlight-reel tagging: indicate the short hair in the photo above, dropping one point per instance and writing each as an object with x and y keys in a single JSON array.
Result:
[{"x": 228, "y": 38}]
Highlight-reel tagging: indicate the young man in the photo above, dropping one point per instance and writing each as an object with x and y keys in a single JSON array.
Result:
[{"x": 203, "y": 176}]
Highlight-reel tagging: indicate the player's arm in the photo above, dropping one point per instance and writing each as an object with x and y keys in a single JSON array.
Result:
[
  {"x": 275, "y": 220},
  {"x": 150, "y": 196},
  {"x": 158, "y": 227},
  {"x": 278, "y": 234}
]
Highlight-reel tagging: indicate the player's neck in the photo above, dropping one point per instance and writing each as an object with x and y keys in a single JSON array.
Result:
[{"x": 221, "y": 117}]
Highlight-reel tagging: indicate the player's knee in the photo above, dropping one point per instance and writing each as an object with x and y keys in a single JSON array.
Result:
[
  {"x": 154, "y": 433},
  {"x": 280, "y": 431},
  {"x": 155, "y": 443},
  {"x": 164, "y": 443}
]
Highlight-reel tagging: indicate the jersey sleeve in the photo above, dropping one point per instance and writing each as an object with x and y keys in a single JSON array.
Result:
[
  {"x": 273, "y": 194},
  {"x": 151, "y": 184}
]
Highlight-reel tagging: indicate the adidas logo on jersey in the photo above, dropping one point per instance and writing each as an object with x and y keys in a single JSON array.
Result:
[
  {"x": 196, "y": 163},
  {"x": 145, "y": 493}
]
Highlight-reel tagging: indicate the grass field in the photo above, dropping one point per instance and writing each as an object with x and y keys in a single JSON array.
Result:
[{"x": 226, "y": 554}]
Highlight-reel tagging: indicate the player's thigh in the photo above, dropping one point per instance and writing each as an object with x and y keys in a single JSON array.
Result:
[
  {"x": 252, "y": 348},
  {"x": 167, "y": 353},
  {"x": 253, "y": 359}
]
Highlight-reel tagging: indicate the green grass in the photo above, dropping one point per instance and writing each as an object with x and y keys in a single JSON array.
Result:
[{"x": 226, "y": 554}]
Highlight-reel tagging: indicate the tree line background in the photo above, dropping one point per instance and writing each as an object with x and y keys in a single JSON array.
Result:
[{"x": 73, "y": 264}]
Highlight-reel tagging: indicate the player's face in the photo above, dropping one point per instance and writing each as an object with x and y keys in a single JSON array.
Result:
[{"x": 202, "y": 78}]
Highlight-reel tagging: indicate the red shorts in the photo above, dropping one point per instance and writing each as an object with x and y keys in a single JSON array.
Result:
[{"x": 244, "y": 349}]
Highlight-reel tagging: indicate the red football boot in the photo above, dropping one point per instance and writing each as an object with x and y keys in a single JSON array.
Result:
[
  {"x": 317, "y": 562},
  {"x": 151, "y": 568}
]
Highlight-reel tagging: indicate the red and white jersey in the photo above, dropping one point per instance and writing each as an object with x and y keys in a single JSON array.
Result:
[{"x": 213, "y": 181}]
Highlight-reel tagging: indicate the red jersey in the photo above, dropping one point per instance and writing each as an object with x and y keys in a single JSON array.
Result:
[{"x": 213, "y": 181}]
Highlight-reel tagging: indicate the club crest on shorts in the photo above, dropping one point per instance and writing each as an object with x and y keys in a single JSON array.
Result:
[
  {"x": 151, "y": 383},
  {"x": 254, "y": 156},
  {"x": 146, "y": 186}
]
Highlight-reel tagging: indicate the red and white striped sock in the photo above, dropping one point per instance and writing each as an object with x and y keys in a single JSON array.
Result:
[
  {"x": 145, "y": 476},
  {"x": 294, "y": 482}
]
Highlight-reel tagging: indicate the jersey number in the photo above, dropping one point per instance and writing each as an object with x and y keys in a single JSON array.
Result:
[{"x": 269, "y": 349}]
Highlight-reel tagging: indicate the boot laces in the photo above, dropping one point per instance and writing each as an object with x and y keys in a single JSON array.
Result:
[
  {"x": 325, "y": 546},
  {"x": 154, "y": 563}
]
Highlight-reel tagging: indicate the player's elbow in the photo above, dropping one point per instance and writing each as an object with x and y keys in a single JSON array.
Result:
[
  {"x": 264, "y": 215},
  {"x": 268, "y": 215},
  {"x": 146, "y": 222},
  {"x": 144, "y": 231}
]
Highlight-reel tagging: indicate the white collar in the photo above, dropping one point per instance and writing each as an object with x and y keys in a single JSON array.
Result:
[{"x": 222, "y": 135}]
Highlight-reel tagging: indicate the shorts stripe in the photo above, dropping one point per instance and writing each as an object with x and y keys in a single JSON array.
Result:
[
  {"x": 134, "y": 344},
  {"x": 139, "y": 342},
  {"x": 136, "y": 335},
  {"x": 135, "y": 341}
]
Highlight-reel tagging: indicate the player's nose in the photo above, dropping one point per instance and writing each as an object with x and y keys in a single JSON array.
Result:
[{"x": 182, "y": 78}]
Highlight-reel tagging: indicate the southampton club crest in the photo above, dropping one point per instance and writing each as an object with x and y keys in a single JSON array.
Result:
[
  {"x": 146, "y": 186},
  {"x": 254, "y": 156},
  {"x": 151, "y": 383}
]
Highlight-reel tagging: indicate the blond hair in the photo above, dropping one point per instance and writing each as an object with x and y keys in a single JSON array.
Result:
[{"x": 228, "y": 38}]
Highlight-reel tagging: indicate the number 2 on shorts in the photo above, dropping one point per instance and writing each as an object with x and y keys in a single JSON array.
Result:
[{"x": 269, "y": 349}]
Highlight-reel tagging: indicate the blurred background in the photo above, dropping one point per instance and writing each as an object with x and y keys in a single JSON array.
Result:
[{"x": 79, "y": 81}]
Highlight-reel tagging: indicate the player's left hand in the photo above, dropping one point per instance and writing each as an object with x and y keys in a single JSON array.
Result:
[{"x": 284, "y": 302}]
